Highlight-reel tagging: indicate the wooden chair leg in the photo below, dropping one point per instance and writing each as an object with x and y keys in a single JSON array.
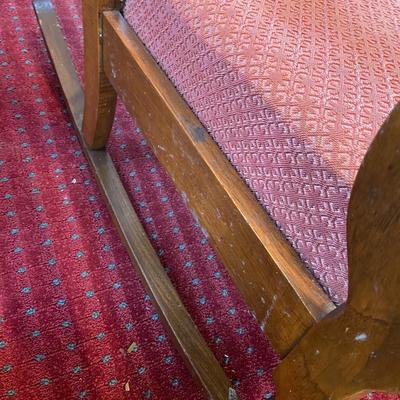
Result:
[
  {"x": 100, "y": 96},
  {"x": 192, "y": 346},
  {"x": 356, "y": 349}
]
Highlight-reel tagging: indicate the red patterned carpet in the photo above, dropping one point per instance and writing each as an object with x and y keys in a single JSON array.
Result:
[{"x": 70, "y": 301}]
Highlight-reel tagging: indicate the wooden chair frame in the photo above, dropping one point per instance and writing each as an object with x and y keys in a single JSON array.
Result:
[{"x": 327, "y": 353}]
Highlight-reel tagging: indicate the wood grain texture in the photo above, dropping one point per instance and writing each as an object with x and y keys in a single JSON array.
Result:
[
  {"x": 275, "y": 284},
  {"x": 357, "y": 350},
  {"x": 100, "y": 95},
  {"x": 191, "y": 344}
]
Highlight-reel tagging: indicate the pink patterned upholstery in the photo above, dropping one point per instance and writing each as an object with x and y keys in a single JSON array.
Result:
[{"x": 293, "y": 91}]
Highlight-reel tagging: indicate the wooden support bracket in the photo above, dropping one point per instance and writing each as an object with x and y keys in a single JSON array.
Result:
[{"x": 356, "y": 350}]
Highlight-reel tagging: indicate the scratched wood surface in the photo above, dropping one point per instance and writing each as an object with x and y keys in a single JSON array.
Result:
[
  {"x": 275, "y": 284},
  {"x": 357, "y": 349},
  {"x": 193, "y": 348}
]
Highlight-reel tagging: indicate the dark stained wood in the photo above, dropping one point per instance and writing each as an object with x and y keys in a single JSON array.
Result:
[
  {"x": 358, "y": 349},
  {"x": 191, "y": 344},
  {"x": 57, "y": 50},
  {"x": 99, "y": 94},
  {"x": 275, "y": 284}
]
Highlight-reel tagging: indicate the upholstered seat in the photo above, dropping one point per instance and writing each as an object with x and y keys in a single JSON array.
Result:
[{"x": 293, "y": 91}]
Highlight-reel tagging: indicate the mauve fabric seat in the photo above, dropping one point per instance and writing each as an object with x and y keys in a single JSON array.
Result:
[{"x": 293, "y": 91}]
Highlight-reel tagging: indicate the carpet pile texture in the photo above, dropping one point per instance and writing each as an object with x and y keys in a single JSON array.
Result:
[{"x": 70, "y": 302}]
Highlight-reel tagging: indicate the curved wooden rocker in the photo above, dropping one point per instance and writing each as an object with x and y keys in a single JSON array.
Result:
[
  {"x": 93, "y": 119},
  {"x": 333, "y": 353}
]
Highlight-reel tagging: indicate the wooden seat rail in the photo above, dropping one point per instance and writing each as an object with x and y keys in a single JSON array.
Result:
[
  {"x": 277, "y": 287},
  {"x": 328, "y": 353}
]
